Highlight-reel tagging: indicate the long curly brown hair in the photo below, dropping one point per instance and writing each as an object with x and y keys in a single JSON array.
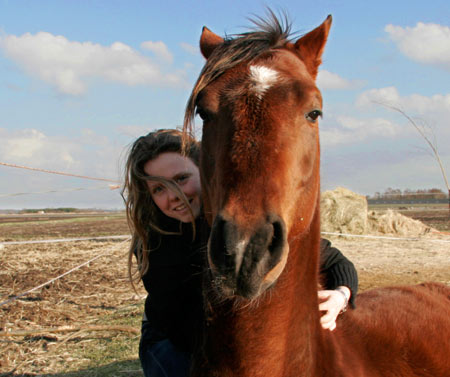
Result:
[{"x": 143, "y": 216}]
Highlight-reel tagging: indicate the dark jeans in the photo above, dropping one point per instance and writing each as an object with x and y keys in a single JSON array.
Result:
[{"x": 159, "y": 357}]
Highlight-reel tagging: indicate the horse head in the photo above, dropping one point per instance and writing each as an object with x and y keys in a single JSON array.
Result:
[{"x": 260, "y": 157}]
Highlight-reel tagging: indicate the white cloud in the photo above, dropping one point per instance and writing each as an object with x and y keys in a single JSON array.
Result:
[
  {"x": 79, "y": 156},
  {"x": 67, "y": 65},
  {"x": 438, "y": 104},
  {"x": 350, "y": 130},
  {"x": 424, "y": 43},
  {"x": 329, "y": 80},
  {"x": 429, "y": 113},
  {"x": 193, "y": 50},
  {"x": 32, "y": 147},
  {"x": 24, "y": 145},
  {"x": 159, "y": 49},
  {"x": 388, "y": 95},
  {"x": 88, "y": 154},
  {"x": 369, "y": 127}
]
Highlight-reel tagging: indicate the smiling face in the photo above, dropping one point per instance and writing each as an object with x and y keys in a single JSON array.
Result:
[{"x": 174, "y": 167}]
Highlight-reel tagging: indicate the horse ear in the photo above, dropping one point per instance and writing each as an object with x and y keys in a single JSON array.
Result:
[
  {"x": 310, "y": 47},
  {"x": 208, "y": 42}
]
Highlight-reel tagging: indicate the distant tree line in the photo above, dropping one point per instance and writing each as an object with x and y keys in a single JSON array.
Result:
[
  {"x": 49, "y": 210},
  {"x": 408, "y": 194}
]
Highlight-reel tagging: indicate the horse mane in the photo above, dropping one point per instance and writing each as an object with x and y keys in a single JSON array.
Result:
[{"x": 268, "y": 33}]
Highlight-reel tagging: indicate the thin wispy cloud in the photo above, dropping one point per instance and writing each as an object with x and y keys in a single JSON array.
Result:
[
  {"x": 68, "y": 65},
  {"x": 193, "y": 50},
  {"x": 89, "y": 153},
  {"x": 332, "y": 81},
  {"x": 429, "y": 113},
  {"x": 388, "y": 95},
  {"x": 416, "y": 103},
  {"x": 159, "y": 49},
  {"x": 33, "y": 147},
  {"x": 346, "y": 130}
]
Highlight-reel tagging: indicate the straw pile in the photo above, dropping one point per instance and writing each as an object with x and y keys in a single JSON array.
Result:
[
  {"x": 344, "y": 211},
  {"x": 391, "y": 222}
]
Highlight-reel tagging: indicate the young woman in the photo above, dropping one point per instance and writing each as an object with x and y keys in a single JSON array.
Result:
[{"x": 162, "y": 194}]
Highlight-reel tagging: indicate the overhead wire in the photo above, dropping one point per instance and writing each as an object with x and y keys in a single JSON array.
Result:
[
  {"x": 57, "y": 172},
  {"x": 111, "y": 187}
]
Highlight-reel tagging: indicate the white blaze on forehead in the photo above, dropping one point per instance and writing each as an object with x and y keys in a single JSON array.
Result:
[{"x": 262, "y": 78}]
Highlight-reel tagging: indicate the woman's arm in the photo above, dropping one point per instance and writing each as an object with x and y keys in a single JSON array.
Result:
[
  {"x": 340, "y": 281},
  {"x": 337, "y": 270}
]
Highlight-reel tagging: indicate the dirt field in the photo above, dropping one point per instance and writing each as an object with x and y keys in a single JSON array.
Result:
[
  {"x": 36, "y": 227},
  {"x": 103, "y": 312},
  {"x": 437, "y": 217}
]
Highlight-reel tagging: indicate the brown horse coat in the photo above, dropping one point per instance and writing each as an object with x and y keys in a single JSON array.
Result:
[{"x": 261, "y": 183}]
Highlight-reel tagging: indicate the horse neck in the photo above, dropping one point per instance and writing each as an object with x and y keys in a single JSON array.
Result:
[{"x": 276, "y": 335}]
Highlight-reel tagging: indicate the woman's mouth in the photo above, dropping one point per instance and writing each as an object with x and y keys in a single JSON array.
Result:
[{"x": 182, "y": 206}]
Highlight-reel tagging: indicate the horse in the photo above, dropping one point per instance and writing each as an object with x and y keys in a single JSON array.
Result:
[{"x": 259, "y": 168}]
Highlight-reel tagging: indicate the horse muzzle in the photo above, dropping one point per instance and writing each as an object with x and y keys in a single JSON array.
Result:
[{"x": 245, "y": 262}]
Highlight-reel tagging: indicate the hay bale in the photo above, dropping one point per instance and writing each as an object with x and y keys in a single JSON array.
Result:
[
  {"x": 391, "y": 222},
  {"x": 343, "y": 211}
]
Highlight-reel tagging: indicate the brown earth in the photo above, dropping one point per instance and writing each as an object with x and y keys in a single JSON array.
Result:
[
  {"x": 26, "y": 227},
  {"x": 438, "y": 218},
  {"x": 92, "y": 293}
]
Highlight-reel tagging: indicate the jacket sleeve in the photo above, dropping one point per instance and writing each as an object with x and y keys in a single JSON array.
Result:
[{"x": 337, "y": 270}]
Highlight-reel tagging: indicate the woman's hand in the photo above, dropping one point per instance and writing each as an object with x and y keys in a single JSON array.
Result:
[{"x": 332, "y": 302}]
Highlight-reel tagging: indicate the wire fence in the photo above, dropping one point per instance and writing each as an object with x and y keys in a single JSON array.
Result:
[
  {"x": 126, "y": 238},
  {"x": 12, "y": 299}
]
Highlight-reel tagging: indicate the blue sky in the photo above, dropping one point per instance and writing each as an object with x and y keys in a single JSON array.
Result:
[{"x": 80, "y": 80}]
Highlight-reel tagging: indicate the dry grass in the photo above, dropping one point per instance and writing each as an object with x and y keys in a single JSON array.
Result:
[{"x": 99, "y": 294}]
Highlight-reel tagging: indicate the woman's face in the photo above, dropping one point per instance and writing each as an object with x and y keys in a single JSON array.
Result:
[{"x": 183, "y": 171}]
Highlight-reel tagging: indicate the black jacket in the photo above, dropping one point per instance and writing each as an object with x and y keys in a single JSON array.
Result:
[
  {"x": 173, "y": 281},
  {"x": 336, "y": 270}
]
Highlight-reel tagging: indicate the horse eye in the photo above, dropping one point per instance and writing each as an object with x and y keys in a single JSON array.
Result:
[
  {"x": 313, "y": 115},
  {"x": 202, "y": 114}
]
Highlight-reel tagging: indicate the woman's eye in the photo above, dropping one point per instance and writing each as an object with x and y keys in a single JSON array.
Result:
[
  {"x": 181, "y": 179},
  {"x": 313, "y": 115},
  {"x": 156, "y": 190}
]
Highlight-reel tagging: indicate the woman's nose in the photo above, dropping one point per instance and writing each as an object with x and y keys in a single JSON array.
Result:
[{"x": 172, "y": 196}]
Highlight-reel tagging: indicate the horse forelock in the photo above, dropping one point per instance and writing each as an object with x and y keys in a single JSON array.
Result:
[{"x": 270, "y": 33}]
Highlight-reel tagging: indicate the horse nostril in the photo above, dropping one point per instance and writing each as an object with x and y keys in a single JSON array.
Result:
[
  {"x": 216, "y": 240},
  {"x": 278, "y": 238},
  {"x": 223, "y": 234},
  {"x": 241, "y": 258}
]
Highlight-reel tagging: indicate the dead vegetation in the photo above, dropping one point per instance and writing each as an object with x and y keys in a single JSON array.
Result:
[
  {"x": 87, "y": 323},
  {"x": 69, "y": 324}
]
